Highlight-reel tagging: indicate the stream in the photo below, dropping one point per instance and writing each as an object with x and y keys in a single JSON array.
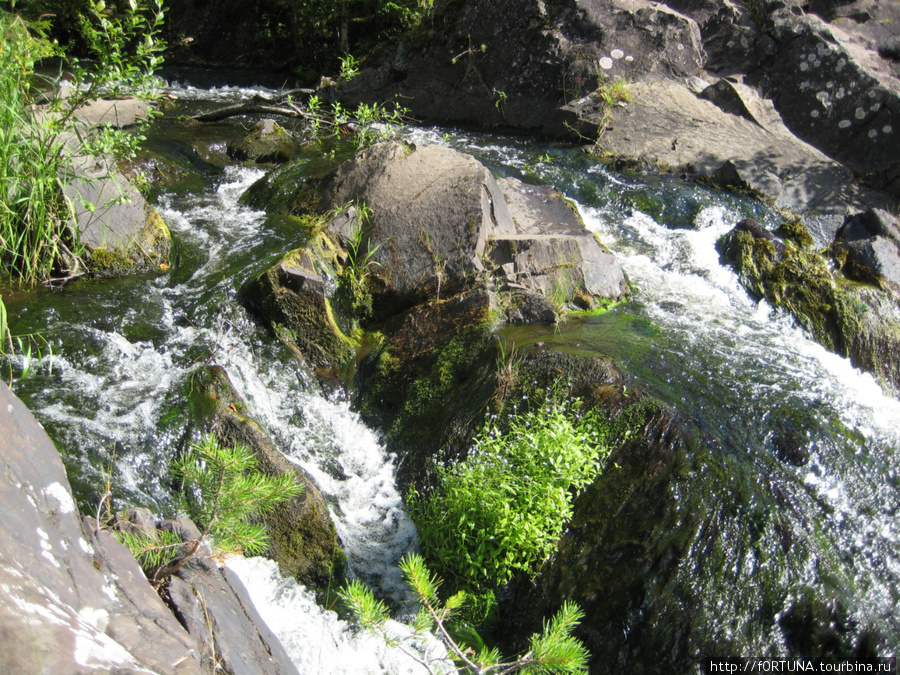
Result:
[{"x": 745, "y": 375}]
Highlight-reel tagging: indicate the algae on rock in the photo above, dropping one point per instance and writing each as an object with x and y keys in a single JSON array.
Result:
[
  {"x": 856, "y": 320},
  {"x": 303, "y": 540}
]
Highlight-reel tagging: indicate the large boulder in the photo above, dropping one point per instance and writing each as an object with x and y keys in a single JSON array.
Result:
[
  {"x": 74, "y": 600},
  {"x": 729, "y": 135},
  {"x": 405, "y": 225},
  {"x": 438, "y": 220},
  {"x": 514, "y": 63},
  {"x": 121, "y": 231},
  {"x": 838, "y": 93}
]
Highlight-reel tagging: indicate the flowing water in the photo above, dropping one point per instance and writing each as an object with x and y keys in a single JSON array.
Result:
[{"x": 744, "y": 373}]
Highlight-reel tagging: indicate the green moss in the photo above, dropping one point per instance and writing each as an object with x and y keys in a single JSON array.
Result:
[
  {"x": 110, "y": 262},
  {"x": 303, "y": 314},
  {"x": 427, "y": 396},
  {"x": 150, "y": 250},
  {"x": 794, "y": 230},
  {"x": 853, "y": 319}
]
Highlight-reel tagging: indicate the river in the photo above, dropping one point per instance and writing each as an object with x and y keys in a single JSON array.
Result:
[{"x": 744, "y": 373}]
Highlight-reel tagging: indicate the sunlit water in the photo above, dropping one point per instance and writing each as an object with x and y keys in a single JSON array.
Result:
[{"x": 691, "y": 335}]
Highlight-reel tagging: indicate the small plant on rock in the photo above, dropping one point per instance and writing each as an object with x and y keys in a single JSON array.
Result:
[
  {"x": 224, "y": 493},
  {"x": 554, "y": 650},
  {"x": 353, "y": 278}
]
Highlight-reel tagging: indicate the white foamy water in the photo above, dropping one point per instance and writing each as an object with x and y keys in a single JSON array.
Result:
[
  {"x": 320, "y": 643},
  {"x": 679, "y": 277},
  {"x": 119, "y": 388}
]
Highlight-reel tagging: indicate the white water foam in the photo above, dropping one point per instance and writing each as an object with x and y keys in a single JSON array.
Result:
[{"x": 320, "y": 643}]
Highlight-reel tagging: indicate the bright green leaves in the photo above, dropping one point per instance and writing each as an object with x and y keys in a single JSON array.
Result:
[{"x": 504, "y": 508}]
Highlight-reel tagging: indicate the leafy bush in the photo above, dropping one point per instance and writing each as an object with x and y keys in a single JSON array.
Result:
[{"x": 504, "y": 508}]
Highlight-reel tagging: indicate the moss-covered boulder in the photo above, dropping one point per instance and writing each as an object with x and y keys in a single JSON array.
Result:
[
  {"x": 268, "y": 143},
  {"x": 291, "y": 297},
  {"x": 120, "y": 230},
  {"x": 304, "y": 541},
  {"x": 857, "y": 320},
  {"x": 429, "y": 222}
]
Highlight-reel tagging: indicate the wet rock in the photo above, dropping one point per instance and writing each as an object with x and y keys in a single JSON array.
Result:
[
  {"x": 411, "y": 224},
  {"x": 738, "y": 141},
  {"x": 213, "y": 605},
  {"x": 304, "y": 542},
  {"x": 73, "y": 590},
  {"x": 859, "y": 321},
  {"x": 871, "y": 223},
  {"x": 268, "y": 143},
  {"x": 551, "y": 250},
  {"x": 121, "y": 231},
  {"x": 528, "y": 307},
  {"x": 875, "y": 261},
  {"x": 291, "y": 297},
  {"x": 428, "y": 382},
  {"x": 791, "y": 448}
]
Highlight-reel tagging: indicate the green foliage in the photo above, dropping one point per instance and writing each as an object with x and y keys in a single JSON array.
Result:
[
  {"x": 36, "y": 242},
  {"x": 224, "y": 492},
  {"x": 554, "y": 650},
  {"x": 29, "y": 346},
  {"x": 613, "y": 92},
  {"x": 353, "y": 294},
  {"x": 33, "y": 234},
  {"x": 151, "y": 552},
  {"x": 503, "y": 508},
  {"x": 370, "y": 123},
  {"x": 349, "y": 67}
]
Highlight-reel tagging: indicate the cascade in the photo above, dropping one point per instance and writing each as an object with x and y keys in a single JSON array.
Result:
[{"x": 691, "y": 336}]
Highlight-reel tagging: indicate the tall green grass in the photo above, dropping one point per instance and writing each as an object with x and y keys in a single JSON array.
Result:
[
  {"x": 39, "y": 238},
  {"x": 33, "y": 215}
]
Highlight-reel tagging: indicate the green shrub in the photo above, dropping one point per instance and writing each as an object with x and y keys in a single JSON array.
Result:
[{"x": 504, "y": 508}]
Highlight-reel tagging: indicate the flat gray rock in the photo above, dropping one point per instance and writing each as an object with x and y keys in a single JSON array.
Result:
[{"x": 74, "y": 600}]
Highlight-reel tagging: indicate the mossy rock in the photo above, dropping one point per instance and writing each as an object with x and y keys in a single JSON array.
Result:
[
  {"x": 855, "y": 320},
  {"x": 268, "y": 143},
  {"x": 795, "y": 231},
  {"x": 430, "y": 381},
  {"x": 150, "y": 250},
  {"x": 291, "y": 297},
  {"x": 303, "y": 540}
]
